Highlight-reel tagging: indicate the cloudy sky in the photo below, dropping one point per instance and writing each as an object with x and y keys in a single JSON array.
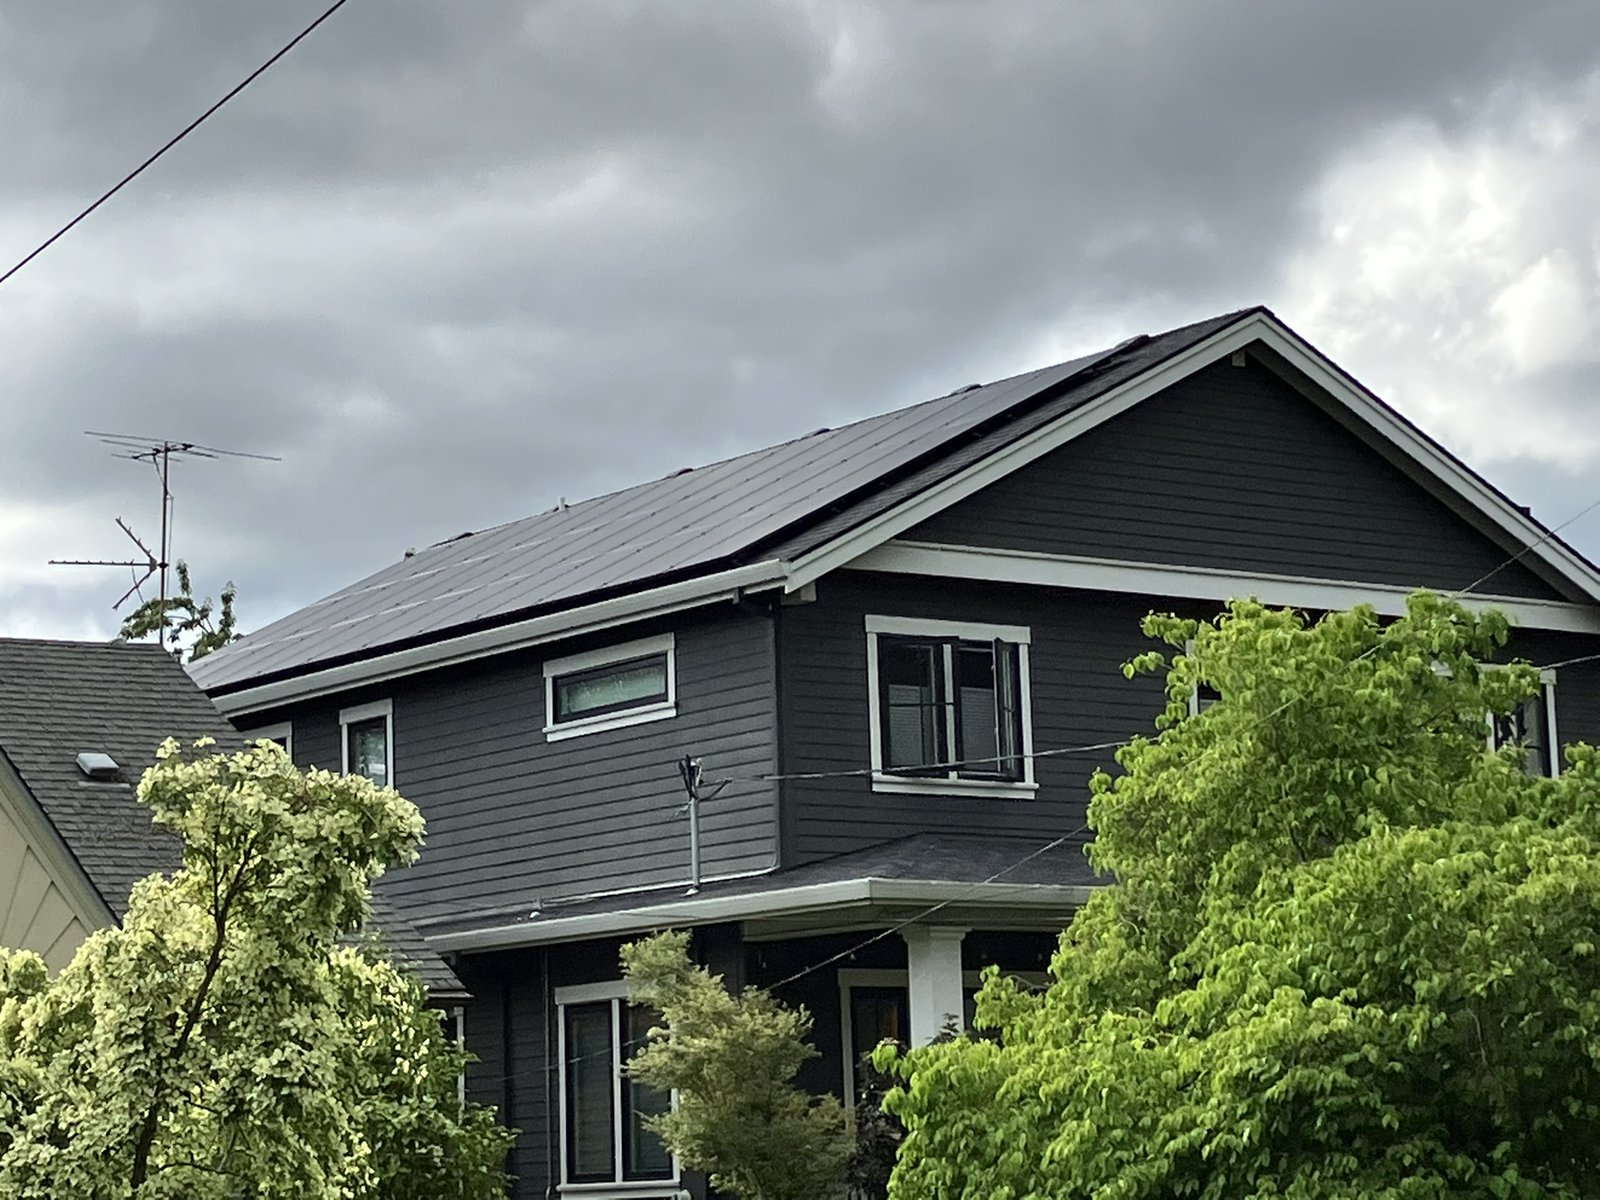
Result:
[{"x": 452, "y": 261}]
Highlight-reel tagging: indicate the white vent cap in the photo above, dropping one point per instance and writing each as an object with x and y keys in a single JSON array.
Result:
[{"x": 98, "y": 766}]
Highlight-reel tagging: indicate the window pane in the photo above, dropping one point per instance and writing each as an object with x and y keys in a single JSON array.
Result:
[
  {"x": 980, "y": 714},
  {"x": 1527, "y": 726},
  {"x": 590, "y": 1075},
  {"x": 611, "y": 688},
  {"x": 369, "y": 749},
  {"x": 911, "y": 675},
  {"x": 877, "y": 1014},
  {"x": 991, "y": 710},
  {"x": 644, "y": 1156}
]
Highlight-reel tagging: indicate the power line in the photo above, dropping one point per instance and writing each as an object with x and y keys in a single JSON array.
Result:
[{"x": 173, "y": 141}]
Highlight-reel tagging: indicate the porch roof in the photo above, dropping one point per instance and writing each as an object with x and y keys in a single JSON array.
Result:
[{"x": 977, "y": 881}]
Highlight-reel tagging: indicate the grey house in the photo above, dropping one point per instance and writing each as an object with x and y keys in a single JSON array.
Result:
[{"x": 833, "y": 704}]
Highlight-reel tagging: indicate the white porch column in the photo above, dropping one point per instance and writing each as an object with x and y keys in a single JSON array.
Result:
[{"x": 933, "y": 976}]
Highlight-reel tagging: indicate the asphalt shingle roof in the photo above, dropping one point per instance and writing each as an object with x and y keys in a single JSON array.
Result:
[
  {"x": 59, "y": 699},
  {"x": 689, "y": 523},
  {"x": 920, "y": 857}
]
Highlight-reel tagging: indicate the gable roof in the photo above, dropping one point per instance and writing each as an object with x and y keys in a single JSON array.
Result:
[
  {"x": 689, "y": 523},
  {"x": 783, "y": 516},
  {"x": 60, "y": 699}
]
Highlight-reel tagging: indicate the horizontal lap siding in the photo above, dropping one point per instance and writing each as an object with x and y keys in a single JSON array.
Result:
[
  {"x": 1232, "y": 469},
  {"x": 1080, "y": 697},
  {"x": 514, "y": 819}
]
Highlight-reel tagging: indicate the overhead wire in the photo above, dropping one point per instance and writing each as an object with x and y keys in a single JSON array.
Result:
[{"x": 173, "y": 141}]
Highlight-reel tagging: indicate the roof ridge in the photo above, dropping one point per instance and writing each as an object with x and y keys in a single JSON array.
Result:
[{"x": 790, "y": 441}]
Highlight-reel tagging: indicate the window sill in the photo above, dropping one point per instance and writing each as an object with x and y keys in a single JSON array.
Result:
[
  {"x": 620, "y": 720},
  {"x": 652, "y": 1189},
  {"x": 993, "y": 789}
]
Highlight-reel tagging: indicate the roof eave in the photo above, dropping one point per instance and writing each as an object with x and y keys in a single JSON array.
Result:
[
  {"x": 565, "y": 623},
  {"x": 810, "y": 899}
]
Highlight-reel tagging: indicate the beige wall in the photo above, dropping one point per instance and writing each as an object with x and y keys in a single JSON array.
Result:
[{"x": 45, "y": 904}]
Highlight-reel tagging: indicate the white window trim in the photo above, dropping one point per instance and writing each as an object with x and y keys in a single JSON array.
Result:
[
  {"x": 659, "y": 710},
  {"x": 608, "y": 991},
  {"x": 354, "y": 715},
  {"x": 281, "y": 732},
  {"x": 1547, "y": 684},
  {"x": 851, "y": 978},
  {"x": 995, "y": 789}
]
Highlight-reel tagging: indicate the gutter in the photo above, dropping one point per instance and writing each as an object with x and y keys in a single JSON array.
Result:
[
  {"x": 782, "y": 902},
  {"x": 571, "y": 622}
]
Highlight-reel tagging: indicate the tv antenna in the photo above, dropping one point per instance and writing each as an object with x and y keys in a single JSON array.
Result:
[{"x": 159, "y": 453}]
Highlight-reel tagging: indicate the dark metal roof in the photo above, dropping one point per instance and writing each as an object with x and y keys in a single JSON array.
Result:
[
  {"x": 689, "y": 523},
  {"x": 62, "y": 699}
]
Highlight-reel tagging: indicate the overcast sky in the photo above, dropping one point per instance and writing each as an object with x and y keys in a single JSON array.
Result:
[{"x": 453, "y": 261}]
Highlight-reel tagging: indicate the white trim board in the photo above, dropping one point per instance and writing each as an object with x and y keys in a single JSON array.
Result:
[
  {"x": 1193, "y": 583},
  {"x": 1469, "y": 492},
  {"x": 781, "y": 902},
  {"x": 620, "y": 652}
]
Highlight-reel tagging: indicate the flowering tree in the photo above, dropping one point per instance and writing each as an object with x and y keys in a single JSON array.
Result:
[
  {"x": 1350, "y": 952},
  {"x": 223, "y": 1042}
]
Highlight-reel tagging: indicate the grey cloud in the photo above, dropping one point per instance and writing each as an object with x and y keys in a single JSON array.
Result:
[{"x": 492, "y": 254}]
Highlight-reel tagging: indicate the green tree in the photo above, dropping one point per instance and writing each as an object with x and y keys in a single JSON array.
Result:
[
  {"x": 182, "y": 621},
  {"x": 731, "y": 1060},
  {"x": 223, "y": 1042},
  {"x": 1350, "y": 952}
]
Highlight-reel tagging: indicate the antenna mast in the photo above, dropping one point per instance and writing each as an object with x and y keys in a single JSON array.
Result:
[{"x": 159, "y": 453}]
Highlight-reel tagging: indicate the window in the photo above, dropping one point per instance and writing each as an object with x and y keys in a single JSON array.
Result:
[
  {"x": 1202, "y": 698},
  {"x": 610, "y": 688},
  {"x": 949, "y": 707},
  {"x": 875, "y": 1005},
  {"x": 282, "y": 734},
  {"x": 1533, "y": 727},
  {"x": 367, "y": 737},
  {"x": 603, "y": 1112}
]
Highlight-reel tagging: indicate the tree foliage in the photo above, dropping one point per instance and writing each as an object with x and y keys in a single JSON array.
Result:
[
  {"x": 222, "y": 1042},
  {"x": 183, "y": 621},
  {"x": 1351, "y": 951},
  {"x": 731, "y": 1060}
]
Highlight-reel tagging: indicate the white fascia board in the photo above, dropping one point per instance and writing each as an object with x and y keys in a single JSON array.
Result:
[
  {"x": 1458, "y": 478},
  {"x": 1470, "y": 491},
  {"x": 1018, "y": 454},
  {"x": 590, "y": 618},
  {"x": 1194, "y": 583},
  {"x": 782, "y": 902}
]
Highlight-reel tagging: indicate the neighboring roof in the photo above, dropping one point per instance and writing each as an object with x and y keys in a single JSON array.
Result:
[
  {"x": 951, "y": 870},
  {"x": 693, "y": 522},
  {"x": 60, "y": 699}
]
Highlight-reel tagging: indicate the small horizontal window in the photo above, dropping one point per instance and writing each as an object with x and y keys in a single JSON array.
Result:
[{"x": 610, "y": 688}]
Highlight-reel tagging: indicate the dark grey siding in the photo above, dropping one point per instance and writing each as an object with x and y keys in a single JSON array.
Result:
[
  {"x": 1080, "y": 697},
  {"x": 515, "y": 820},
  {"x": 1232, "y": 469}
]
